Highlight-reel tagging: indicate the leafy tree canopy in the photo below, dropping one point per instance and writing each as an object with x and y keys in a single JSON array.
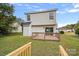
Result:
[
  {"x": 77, "y": 25},
  {"x": 77, "y": 28},
  {"x": 6, "y": 18}
]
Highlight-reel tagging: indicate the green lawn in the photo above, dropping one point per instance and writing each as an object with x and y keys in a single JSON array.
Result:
[
  {"x": 39, "y": 47},
  {"x": 71, "y": 43}
]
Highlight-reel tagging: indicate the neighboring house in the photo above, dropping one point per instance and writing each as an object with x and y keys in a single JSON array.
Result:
[
  {"x": 65, "y": 29},
  {"x": 16, "y": 27},
  {"x": 43, "y": 21}
]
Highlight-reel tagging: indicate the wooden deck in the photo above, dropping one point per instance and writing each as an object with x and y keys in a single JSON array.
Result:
[{"x": 44, "y": 36}]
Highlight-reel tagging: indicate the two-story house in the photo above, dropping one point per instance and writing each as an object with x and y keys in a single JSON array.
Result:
[{"x": 41, "y": 22}]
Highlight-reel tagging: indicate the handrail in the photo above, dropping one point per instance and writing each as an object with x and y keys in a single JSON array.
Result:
[
  {"x": 25, "y": 50},
  {"x": 45, "y": 36},
  {"x": 62, "y": 51}
]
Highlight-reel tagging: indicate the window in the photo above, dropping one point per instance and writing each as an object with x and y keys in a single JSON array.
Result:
[
  {"x": 28, "y": 17},
  {"x": 49, "y": 31},
  {"x": 51, "y": 17}
]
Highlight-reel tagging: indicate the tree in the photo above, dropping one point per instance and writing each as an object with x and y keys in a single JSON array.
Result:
[
  {"x": 71, "y": 26},
  {"x": 6, "y": 18},
  {"x": 77, "y": 28},
  {"x": 77, "y": 25}
]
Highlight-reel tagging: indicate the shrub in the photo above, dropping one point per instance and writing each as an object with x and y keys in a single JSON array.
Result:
[
  {"x": 77, "y": 31},
  {"x": 61, "y": 32}
]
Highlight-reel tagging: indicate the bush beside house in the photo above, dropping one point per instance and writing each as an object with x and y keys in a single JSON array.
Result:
[
  {"x": 61, "y": 32},
  {"x": 77, "y": 31}
]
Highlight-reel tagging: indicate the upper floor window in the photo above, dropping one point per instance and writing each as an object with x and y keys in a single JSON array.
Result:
[
  {"x": 51, "y": 16},
  {"x": 28, "y": 17}
]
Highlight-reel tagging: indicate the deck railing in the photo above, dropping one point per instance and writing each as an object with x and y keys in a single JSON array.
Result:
[
  {"x": 22, "y": 51},
  {"x": 62, "y": 51},
  {"x": 45, "y": 36}
]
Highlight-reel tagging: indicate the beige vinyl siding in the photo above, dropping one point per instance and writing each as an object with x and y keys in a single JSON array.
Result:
[
  {"x": 38, "y": 29},
  {"x": 27, "y": 30},
  {"x": 42, "y": 18}
]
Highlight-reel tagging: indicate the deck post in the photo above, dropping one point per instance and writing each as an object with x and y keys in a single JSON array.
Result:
[{"x": 44, "y": 36}]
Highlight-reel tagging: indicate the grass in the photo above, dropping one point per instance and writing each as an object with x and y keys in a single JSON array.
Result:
[
  {"x": 10, "y": 43},
  {"x": 71, "y": 43},
  {"x": 44, "y": 48},
  {"x": 40, "y": 48}
]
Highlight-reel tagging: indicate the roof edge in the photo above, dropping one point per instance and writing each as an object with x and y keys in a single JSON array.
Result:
[{"x": 34, "y": 12}]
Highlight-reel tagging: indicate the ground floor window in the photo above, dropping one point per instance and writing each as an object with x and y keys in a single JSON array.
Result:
[{"x": 49, "y": 30}]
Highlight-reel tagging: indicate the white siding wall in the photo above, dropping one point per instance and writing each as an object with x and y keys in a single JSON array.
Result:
[
  {"x": 54, "y": 29},
  {"x": 42, "y": 29},
  {"x": 27, "y": 30},
  {"x": 18, "y": 26},
  {"x": 19, "y": 29},
  {"x": 38, "y": 29},
  {"x": 42, "y": 18},
  {"x": 39, "y": 19}
]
